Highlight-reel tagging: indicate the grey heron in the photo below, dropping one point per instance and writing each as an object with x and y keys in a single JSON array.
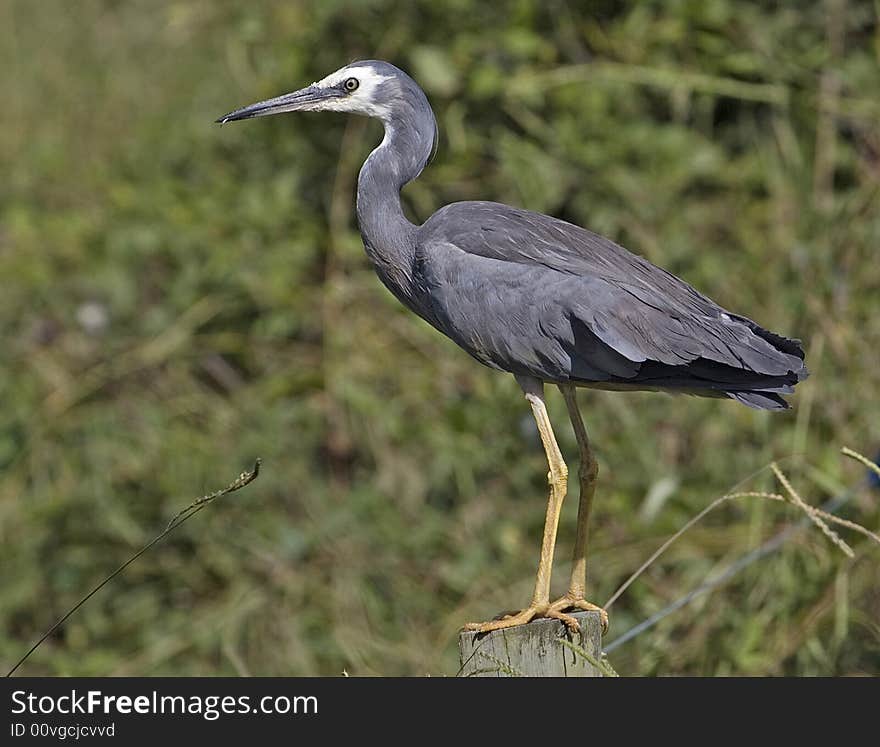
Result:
[{"x": 545, "y": 300}]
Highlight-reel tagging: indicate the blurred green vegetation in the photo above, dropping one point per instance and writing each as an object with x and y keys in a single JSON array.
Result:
[{"x": 179, "y": 298}]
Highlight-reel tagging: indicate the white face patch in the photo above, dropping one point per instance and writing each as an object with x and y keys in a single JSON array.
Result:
[{"x": 360, "y": 100}]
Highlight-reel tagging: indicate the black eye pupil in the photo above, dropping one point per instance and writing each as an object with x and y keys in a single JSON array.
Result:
[{"x": 351, "y": 84}]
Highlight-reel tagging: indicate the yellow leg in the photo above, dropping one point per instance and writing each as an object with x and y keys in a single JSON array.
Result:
[
  {"x": 558, "y": 479},
  {"x": 588, "y": 473}
]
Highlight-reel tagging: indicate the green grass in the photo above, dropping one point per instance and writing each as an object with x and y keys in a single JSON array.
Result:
[{"x": 403, "y": 487}]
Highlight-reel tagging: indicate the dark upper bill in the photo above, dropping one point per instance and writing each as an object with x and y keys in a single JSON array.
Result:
[{"x": 305, "y": 99}]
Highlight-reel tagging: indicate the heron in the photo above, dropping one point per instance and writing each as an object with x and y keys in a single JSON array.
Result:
[{"x": 541, "y": 298}]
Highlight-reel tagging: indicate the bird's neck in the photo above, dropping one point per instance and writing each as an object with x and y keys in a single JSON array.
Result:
[{"x": 389, "y": 237}]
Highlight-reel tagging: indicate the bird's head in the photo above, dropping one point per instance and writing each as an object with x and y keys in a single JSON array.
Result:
[
  {"x": 375, "y": 89},
  {"x": 370, "y": 87}
]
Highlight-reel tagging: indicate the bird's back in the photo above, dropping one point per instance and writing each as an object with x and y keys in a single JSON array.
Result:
[{"x": 537, "y": 296}]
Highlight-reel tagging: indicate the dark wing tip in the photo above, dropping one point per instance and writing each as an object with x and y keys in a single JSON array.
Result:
[{"x": 760, "y": 400}]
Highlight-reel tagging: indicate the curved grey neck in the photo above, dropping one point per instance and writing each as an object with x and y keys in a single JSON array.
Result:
[{"x": 389, "y": 237}]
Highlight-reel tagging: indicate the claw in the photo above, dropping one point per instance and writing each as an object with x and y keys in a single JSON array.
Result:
[{"x": 577, "y": 602}]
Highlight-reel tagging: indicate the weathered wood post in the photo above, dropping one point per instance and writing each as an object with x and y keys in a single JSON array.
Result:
[{"x": 543, "y": 648}]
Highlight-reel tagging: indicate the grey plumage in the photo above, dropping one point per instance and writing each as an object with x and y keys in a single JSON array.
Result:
[
  {"x": 536, "y": 296},
  {"x": 531, "y": 294}
]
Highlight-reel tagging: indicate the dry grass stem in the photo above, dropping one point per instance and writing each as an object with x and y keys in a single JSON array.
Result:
[
  {"x": 807, "y": 509},
  {"x": 874, "y": 467},
  {"x": 816, "y": 515}
]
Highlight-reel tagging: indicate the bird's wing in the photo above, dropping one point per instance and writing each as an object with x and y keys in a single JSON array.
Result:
[{"x": 638, "y": 310}]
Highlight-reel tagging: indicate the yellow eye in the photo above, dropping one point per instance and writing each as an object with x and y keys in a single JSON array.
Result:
[{"x": 351, "y": 84}]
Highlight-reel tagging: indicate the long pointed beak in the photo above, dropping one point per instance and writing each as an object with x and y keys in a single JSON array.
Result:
[{"x": 306, "y": 99}]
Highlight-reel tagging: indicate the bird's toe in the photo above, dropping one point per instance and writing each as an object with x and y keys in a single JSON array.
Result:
[{"x": 577, "y": 602}]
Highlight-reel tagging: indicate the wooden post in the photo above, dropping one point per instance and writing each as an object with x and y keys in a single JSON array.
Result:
[{"x": 543, "y": 648}]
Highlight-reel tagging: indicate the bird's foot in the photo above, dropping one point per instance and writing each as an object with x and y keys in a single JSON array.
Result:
[
  {"x": 575, "y": 601},
  {"x": 524, "y": 616}
]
